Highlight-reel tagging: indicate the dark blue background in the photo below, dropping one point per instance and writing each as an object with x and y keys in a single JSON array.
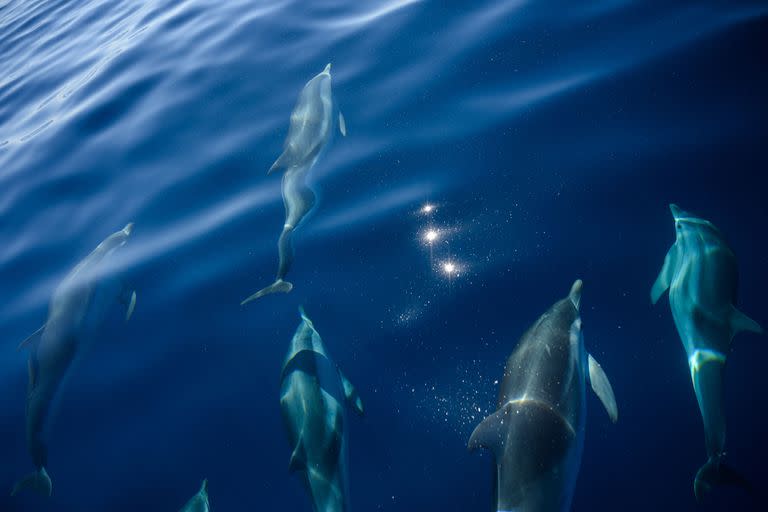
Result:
[{"x": 551, "y": 136}]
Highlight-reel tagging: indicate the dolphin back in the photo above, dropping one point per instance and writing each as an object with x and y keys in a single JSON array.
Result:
[{"x": 310, "y": 125}]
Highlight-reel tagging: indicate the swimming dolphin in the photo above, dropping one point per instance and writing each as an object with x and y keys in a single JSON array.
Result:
[
  {"x": 312, "y": 395},
  {"x": 701, "y": 275},
  {"x": 77, "y": 306},
  {"x": 198, "y": 502},
  {"x": 312, "y": 122},
  {"x": 537, "y": 433}
]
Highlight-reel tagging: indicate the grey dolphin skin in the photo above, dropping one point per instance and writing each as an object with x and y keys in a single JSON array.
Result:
[
  {"x": 198, "y": 502},
  {"x": 78, "y": 305},
  {"x": 702, "y": 278},
  {"x": 312, "y": 395},
  {"x": 537, "y": 433},
  {"x": 312, "y": 123}
]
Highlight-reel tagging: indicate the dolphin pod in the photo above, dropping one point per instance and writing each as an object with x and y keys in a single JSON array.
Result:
[
  {"x": 198, "y": 502},
  {"x": 701, "y": 275},
  {"x": 313, "y": 393},
  {"x": 537, "y": 433},
  {"x": 77, "y": 306},
  {"x": 312, "y": 123}
]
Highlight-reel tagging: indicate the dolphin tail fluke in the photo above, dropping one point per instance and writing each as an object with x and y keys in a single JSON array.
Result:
[
  {"x": 741, "y": 322},
  {"x": 39, "y": 482},
  {"x": 278, "y": 286},
  {"x": 715, "y": 472}
]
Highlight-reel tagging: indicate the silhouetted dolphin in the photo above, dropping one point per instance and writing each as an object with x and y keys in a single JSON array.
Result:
[
  {"x": 312, "y": 122},
  {"x": 701, "y": 275},
  {"x": 312, "y": 395},
  {"x": 537, "y": 433},
  {"x": 198, "y": 502},
  {"x": 77, "y": 306}
]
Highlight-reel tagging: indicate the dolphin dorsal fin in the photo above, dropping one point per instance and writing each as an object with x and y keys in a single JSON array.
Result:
[
  {"x": 350, "y": 393},
  {"x": 31, "y": 339},
  {"x": 666, "y": 274},
  {"x": 489, "y": 434},
  {"x": 741, "y": 322},
  {"x": 602, "y": 388}
]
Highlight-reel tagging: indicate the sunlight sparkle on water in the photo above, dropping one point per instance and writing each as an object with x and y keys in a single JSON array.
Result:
[
  {"x": 428, "y": 208},
  {"x": 431, "y": 235}
]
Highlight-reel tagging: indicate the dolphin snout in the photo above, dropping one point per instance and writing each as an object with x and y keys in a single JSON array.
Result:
[
  {"x": 575, "y": 293},
  {"x": 676, "y": 210},
  {"x": 128, "y": 228},
  {"x": 327, "y": 69}
]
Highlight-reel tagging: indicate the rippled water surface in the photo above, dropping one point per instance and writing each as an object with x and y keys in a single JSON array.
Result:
[{"x": 549, "y": 135}]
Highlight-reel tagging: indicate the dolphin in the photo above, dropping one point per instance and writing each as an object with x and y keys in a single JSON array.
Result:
[
  {"x": 312, "y": 395},
  {"x": 702, "y": 278},
  {"x": 77, "y": 306},
  {"x": 198, "y": 502},
  {"x": 537, "y": 433},
  {"x": 312, "y": 123}
]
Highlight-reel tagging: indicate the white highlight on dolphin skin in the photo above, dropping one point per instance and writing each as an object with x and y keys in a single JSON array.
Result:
[{"x": 701, "y": 357}]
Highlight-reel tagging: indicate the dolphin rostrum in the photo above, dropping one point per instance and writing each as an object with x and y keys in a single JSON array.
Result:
[
  {"x": 537, "y": 433},
  {"x": 76, "y": 308},
  {"x": 198, "y": 502},
  {"x": 312, "y": 123},
  {"x": 313, "y": 392},
  {"x": 702, "y": 278}
]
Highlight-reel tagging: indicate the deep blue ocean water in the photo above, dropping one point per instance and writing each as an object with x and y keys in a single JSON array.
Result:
[{"x": 550, "y": 135}]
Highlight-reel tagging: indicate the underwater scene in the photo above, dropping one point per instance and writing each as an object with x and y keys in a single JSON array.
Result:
[{"x": 386, "y": 255}]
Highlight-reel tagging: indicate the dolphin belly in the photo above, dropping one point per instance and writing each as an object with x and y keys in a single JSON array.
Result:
[
  {"x": 701, "y": 273},
  {"x": 309, "y": 133},
  {"x": 531, "y": 477},
  {"x": 537, "y": 433},
  {"x": 313, "y": 412},
  {"x": 72, "y": 313}
]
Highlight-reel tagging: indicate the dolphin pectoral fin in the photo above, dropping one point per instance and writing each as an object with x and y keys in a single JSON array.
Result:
[
  {"x": 489, "y": 434},
  {"x": 350, "y": 393},
  {"x": 741, "y": 322},
  {"x": 131, "y": 306},
  {"x": 278, "y": 286},
  {"x": 280, "y": 163},
  {"x": 665, "y": 275},
  {"x": 342, "y": 125},
  {"x": 602, "y": 388},
  {"x": 128, "y": 299},
  {"x": 716, "y": 472},
  {"x": 298, "y": 460},
  {"x": 39, "y": 482},
  {"x": 31, "y": 339}
]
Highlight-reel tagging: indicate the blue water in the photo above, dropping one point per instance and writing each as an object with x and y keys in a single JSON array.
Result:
[{"x": 550, "y": 135}]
